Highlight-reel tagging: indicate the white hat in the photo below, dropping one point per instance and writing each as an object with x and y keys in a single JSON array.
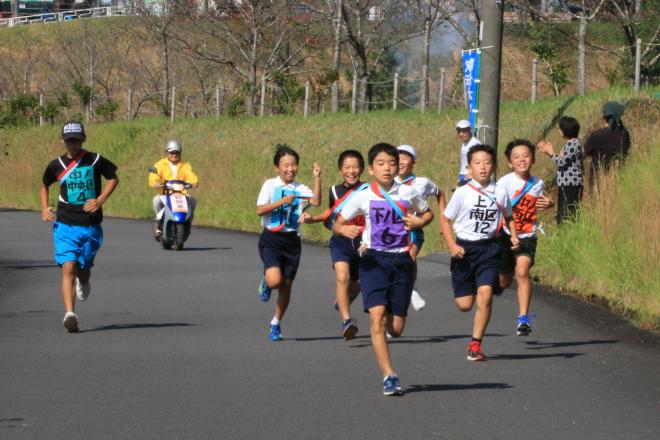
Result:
[
  {"x": 408, "y": 149},
  {"x": 173, "y": 145},
  {"x": 463, "y": 123}
]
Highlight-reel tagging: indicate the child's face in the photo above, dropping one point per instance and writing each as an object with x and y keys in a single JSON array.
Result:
[
  {"x": 73, "y": 145},
  {"x": 464, "y": 134},
  {"x": 350, "y": 170},
  {"x": 287, "y": 168},
  {"x": 384, "y": 168},
  {"x": 521, "y": 160},
  {"x": 481, "y": 167},
  {"x": 406, "y": 165}
]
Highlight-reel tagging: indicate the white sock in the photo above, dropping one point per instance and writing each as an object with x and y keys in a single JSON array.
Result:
[{"x": 275, "y": 321}]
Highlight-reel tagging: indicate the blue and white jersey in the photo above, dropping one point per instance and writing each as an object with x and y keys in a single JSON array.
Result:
[{"x": 285, "y": 218}]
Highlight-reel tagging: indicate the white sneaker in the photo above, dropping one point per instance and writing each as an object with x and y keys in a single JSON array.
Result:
[
  {"x": 70, "y": 322},
  {"x": 83, "y": 290},
  {"x": 418, "y": 303}
]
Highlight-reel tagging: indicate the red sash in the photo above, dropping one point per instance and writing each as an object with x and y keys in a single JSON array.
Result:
[{"x": 76, "y": 161}]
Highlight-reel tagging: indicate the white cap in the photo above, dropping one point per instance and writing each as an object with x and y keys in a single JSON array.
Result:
[
  {"x": 408, "y": 149},
  {"x": 462, "y": 124}
]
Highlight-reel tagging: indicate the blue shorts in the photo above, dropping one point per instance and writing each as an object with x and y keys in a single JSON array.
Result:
[
  {"x": 280, "y": 249},
  {"x": 386, "y": 280},
  {"x": 76, "y": 243},
  {"x": 344, "y": 249},
  {"x": 480, "y": 266}
]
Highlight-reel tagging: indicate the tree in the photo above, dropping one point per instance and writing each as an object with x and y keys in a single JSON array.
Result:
[{"x": 250, "y": 38}]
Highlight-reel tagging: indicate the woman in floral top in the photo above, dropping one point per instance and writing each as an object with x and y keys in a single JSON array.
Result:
[{"x": 570, "y": 172}]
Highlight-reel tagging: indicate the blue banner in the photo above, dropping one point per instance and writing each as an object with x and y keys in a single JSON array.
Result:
[{"x": 470, "y": 61}]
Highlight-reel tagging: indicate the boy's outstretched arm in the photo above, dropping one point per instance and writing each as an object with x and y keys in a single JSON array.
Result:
[
  {"x": 341, "y": 228},
  {"x": 270, "y": 207},
  {"x": 47, "y": 214},
  {"x": 93, "y": 205},
  {"x": 455, "y": 250},
  {"x": 316, "y": 199},
  {"x": 515, "y": 242}
]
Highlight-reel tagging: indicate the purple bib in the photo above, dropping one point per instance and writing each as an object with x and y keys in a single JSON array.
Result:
[{"x": 387, "y": 229}]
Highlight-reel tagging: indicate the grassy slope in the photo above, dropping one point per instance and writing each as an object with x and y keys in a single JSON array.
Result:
[{"x": 234, "y": 156}]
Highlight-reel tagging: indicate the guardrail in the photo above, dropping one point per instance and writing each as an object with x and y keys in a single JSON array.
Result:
[{"x": 47, "y": 17}]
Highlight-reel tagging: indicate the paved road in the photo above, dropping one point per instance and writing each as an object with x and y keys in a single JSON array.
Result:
[{"x": 174, "y": 346}]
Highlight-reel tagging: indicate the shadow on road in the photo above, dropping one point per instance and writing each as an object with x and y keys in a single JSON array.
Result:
[
  {"x": 425, "y": 339},
  {"x": 136, "y": 326},
  {"x": 516, "y": 357},
  {"x": 537, "y": 345},
  {"x": 456, "y": 387},
  {"x": 26, "y": 264},
  {"x": 206, "y": 248}
]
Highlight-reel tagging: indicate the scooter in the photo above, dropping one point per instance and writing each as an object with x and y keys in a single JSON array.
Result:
[{"x": 175, "y": 218}]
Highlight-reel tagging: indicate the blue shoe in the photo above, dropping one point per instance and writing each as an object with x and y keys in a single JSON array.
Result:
[
  {"x": 524, "y": 325},
  {"x": 349, "y": 329},
  {"x": 263, "y": 290},
  {"x": 392, "y": 386},
  {"x": 275, "y": 333}
]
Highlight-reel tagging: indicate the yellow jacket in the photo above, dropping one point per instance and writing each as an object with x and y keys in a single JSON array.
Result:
[{"x": 184, "y": 172}]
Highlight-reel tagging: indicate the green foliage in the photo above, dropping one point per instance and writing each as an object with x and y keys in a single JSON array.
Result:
[
  {"x": 290, "y": 91},
  {"x": 107, "y": 110},
  {"x": 236, "y": 105},
  {"x": 50, "y": 111},
  {"x": 83, "y": 91},
  {"x": 546, "y": 48},
  {"x": 20, "y": 110},
  {"x": 63, "y": 100},
  {"x": 382, "y": 91}
]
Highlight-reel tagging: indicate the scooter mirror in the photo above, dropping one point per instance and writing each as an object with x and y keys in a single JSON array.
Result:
[{"x": 153, "y": 170}]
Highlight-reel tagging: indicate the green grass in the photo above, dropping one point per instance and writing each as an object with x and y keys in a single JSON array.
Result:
[{"x": 595, "y": 258}]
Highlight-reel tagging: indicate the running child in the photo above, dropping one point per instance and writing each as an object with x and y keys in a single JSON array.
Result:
[
  {"x": 526, "y": 194},
  {"x": 279, "y": 205},
  {"x": 77, "y": 232},
  {"x": 479, "y": 210},
  {"x": 343, "y": 250},
  {"x": 386, "y": 268},
  {"x": 425, "y": 188}
]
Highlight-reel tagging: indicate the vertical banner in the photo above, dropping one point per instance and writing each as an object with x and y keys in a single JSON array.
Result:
[{"x": 470, "y": 61}]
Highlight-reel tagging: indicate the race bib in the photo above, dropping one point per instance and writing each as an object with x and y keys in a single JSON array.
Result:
[
  {"x": 179, "y": 203},
  {"x": 387, "y": 228},
  {"x": 80, "y": 185},
  {"x": 286, "y": 215}
]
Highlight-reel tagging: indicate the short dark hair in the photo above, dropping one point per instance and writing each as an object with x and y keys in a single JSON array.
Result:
[
  {"x": 516, "y": 143},
  {"x": 383, "y": 147},
  {"x": 282, "y": 150},
  {"x": 486, "y": 149},
  {"x": 569, "y": 127},
  {"x": 350, "y": 153}
]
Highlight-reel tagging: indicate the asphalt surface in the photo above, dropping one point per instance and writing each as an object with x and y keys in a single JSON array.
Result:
[{"x": 173, "y": 345}]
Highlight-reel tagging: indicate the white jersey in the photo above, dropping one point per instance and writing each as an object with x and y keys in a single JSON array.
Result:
[
  {"x": 422, "y": 185},
  {"x": 523, "y": 207},
  {"x": 477, "y": 216},
  {"x": 384, "y": 228},
  {"x": 465, "y": 147},
  {"x": 285, "y": 218}
]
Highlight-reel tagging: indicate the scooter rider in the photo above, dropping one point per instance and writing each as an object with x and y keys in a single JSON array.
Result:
[{"x": 171, "y": 167}]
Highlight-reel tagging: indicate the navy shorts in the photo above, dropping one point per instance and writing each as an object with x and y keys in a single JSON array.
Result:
[
  {"x": 386, "y": 280},
  {"x": 344, "y": 249},
  {"x": 76, "y": 243},
  {"x": 280, "y": 249},
  {"x": 480, "y": 266}
]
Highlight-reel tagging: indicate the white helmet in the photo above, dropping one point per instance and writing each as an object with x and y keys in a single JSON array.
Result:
[{"x": 173, "y": 145}]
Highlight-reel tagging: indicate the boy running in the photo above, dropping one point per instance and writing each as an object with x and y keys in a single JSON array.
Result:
[
  {"x": 279, "y": 205},
  {"x": 526, "y": 194},
  {"x": 77, "y": 233},
  {"x": 425, "y": 188},
  {"x": 386, "y": 268},
  {"x": 479, "y": 210},
  {"x": 343, "y": 250}
]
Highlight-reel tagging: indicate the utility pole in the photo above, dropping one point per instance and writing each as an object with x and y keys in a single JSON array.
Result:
[
  {"x": 492, "y": 13},
  {"x": 14, "y": 8}
]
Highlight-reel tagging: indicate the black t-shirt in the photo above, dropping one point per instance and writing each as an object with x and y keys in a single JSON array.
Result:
[
  {"x": 81, "y": 184},
  {"x": 339, "y": 191},
  {"x": 606, "y": 145}
]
